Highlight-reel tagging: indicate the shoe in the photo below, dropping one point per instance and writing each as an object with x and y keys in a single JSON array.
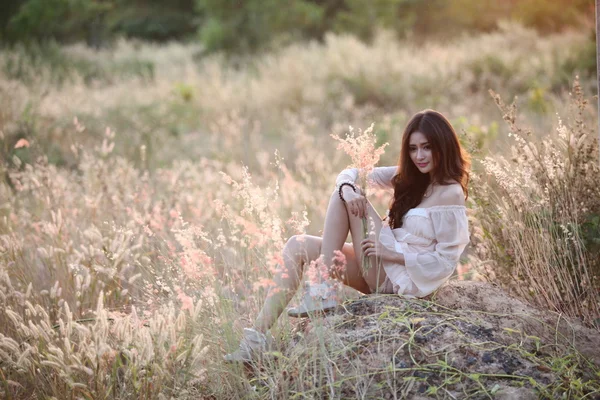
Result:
[
  {"x": 252, "y": 346},
  {"x": 317, "y": 298}
]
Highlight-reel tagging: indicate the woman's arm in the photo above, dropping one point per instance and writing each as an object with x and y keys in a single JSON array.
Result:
[
  {"x": 375, "y": 248},
  {"x": 380, "y": 177}
]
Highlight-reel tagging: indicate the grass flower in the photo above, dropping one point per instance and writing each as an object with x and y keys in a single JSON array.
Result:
[{"x": 362, "y": 149}]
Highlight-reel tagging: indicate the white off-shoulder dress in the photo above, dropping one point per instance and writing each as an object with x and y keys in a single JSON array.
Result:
[{"x": 432, "y": 240}]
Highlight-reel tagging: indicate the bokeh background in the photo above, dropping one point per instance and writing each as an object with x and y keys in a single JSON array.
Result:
[{"x": 155, "y": 157}]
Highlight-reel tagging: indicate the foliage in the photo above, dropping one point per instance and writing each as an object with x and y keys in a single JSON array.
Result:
[
  {"x": 581, "y": 61},
  {"x": 253, "y": 25},
  {"x": 163, "y": 99},
  {"x": 57, "y": 19},
  {"x": 552, "y": 16},
  {"x": 94, "y": 20},
  {"x": 7, "y": 11},
  {"x": 538, "y": 213},
  {"x": 250, "y": 24},
  {"x": 362, "y": 19},
  {"x": 153, "y": 19},
  {"x": 26, "y": 62}
]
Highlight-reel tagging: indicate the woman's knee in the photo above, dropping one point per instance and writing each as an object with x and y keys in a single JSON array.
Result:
[
  {"x": 294, "y": 243},
  {"x": 301, "y": 247},
  {"x": 335, "y": 198}
]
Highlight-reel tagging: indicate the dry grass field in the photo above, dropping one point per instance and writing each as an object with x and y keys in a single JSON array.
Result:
[{"x": 146, "y": 194}]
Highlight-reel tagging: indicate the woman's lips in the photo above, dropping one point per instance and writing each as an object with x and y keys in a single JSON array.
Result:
[{"x": 422, "y": 165}]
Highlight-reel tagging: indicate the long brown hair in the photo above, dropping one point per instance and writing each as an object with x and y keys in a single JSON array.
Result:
[{"x": 450, "y": 163}]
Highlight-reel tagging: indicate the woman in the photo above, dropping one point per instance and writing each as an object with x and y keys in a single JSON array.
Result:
[{"x": 412, "y": 251}]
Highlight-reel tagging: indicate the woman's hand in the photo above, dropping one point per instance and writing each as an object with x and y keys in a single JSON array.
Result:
[
  {"x": 355, "y": 202},
  {"x": 371, "y": 247}
]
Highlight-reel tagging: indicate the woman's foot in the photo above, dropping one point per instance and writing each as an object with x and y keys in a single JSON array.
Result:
[
  {"x": 316, "y": 298},
  {"x": 252, "y": 346}
]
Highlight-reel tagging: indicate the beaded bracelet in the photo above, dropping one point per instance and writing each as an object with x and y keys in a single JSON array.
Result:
[{"x": 342, "y": 184}]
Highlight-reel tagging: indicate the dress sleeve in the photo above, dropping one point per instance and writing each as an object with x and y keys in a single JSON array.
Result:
[
  {"x": 428, "y": 270},
  {"x": 380, "y": 177}
]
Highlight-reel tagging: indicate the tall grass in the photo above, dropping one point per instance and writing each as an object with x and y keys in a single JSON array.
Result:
[
  {"x": 538, "y": 212},
  {"x": 339, "y": 82},
  {"x": 117, "y": 280},
  {"x": 139, "y": 229}
]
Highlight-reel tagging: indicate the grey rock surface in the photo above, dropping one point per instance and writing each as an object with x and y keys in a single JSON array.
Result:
[{"x": 470, "y": 339}]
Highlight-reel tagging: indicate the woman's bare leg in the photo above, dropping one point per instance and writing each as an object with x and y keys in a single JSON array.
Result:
[
  {"x": 376, "y": 274},
  {"x": 301, "y": 250},
  {"x": 335, "y": 232},
  {"x": 298, "y": 252}
]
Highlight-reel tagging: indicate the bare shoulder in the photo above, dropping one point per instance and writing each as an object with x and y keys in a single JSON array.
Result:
[{"x": 451, "y": 195}]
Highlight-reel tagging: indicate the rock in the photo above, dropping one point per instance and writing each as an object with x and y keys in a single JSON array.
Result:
[
  {"x": 513, "y": 393},
  {"x": 470, "y": 339},
  {"x": 515, "y": 315},
  {"x": 487, "y": 358}
]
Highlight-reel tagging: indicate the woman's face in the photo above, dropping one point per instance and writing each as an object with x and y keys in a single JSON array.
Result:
[{"x": 419, "y": 149}]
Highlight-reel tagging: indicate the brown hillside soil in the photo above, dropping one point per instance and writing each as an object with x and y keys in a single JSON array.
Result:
[{"x": 471, "y": 340}]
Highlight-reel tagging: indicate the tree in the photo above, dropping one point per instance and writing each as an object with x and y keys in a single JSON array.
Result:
[
  {"x": 156, "y": 20},
  {"x": 248, "y": 25},
  {"x": 8, "y": 8},
  {"x": 93, "y": 20},
  {"x": 61, "y": 20}
]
